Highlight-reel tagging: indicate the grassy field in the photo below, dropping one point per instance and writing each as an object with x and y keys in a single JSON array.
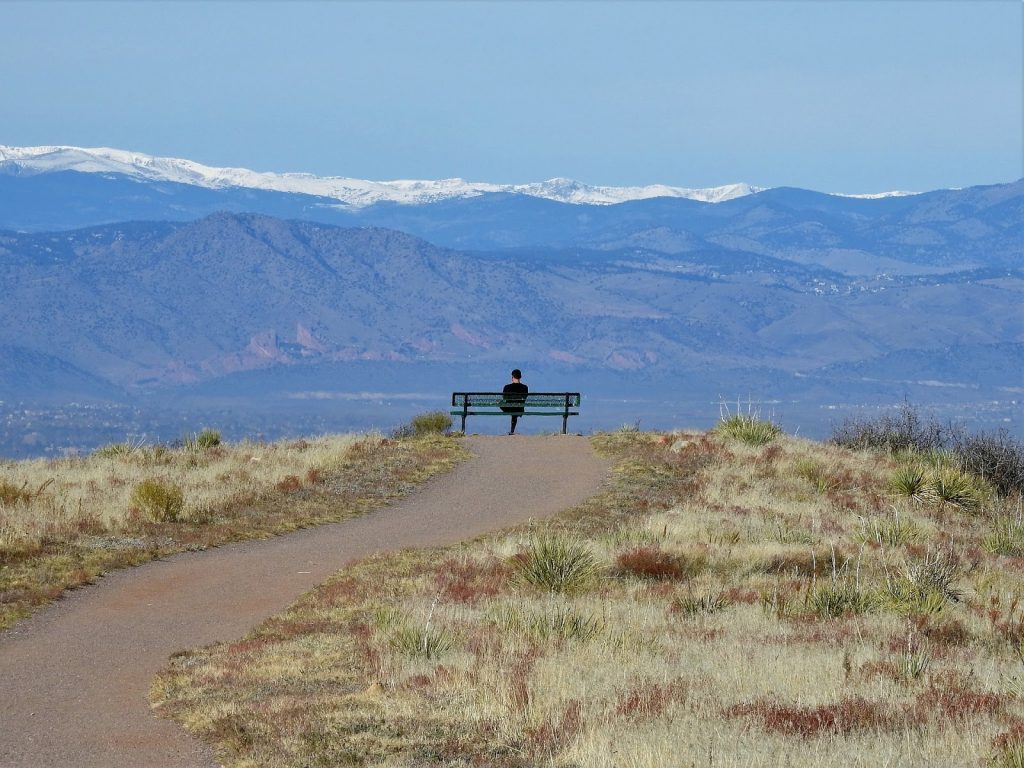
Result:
[
  {"x": 734, "y": 598},
  {"x": 64, "y": 522}
]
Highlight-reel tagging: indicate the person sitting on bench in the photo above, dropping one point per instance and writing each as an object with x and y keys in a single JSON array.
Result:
[{"x": 514, "y": 393}]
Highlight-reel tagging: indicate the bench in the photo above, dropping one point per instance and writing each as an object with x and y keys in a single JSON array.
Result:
[{"x": 532, "y": 404}]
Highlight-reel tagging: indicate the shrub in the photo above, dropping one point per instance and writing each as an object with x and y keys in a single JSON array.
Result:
[
  {"x": 289, "y": 484},
  {"x": 161, "y": 502},
  {"x": 748, "y": 429},
  {"x": 996, "y": 457},
  {"x": 557, "y": 565},
  {"x": 905, "y": 430},
  {"x": 844, "y": 716}
]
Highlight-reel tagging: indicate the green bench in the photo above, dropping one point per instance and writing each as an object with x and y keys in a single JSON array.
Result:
[{"x": 532, "y": 404}]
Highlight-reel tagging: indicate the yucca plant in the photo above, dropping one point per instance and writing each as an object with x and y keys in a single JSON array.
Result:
[
  {"x": 556, "y": 564},
  {"x": 115, "y": 450},
  {"x": 748, "y": 429},
  {"x": 924, "y": 586},
  {"x": 959, "y": 489},
  {"x": 910, "y": 481},
  {"x": 841, "y": 597},
  {"x": 422, "y": 642},
  {"x": 912, "y": 664},
  {"x": 700, "y": 605},
  {"x": 891, "y": 531}
]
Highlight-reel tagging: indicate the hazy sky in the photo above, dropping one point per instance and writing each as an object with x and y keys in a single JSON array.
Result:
[{"x": 856, "y": 96}]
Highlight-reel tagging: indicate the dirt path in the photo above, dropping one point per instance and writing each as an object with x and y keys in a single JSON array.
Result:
[{"x": 74, "y": 678}]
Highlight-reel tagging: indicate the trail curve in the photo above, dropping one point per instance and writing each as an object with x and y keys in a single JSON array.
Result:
[{"x": 74, "y": 677}]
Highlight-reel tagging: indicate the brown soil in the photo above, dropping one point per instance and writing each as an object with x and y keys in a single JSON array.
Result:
[{"x": 75, "y": 676}]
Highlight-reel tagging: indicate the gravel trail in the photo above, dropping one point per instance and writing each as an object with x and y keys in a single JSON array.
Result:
[{"x": 74, "y": 677}]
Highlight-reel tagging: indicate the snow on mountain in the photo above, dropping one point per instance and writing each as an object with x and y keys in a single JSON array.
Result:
[
  {"x": 875, "y": 195},
  {"x": 355, "y": 193}
]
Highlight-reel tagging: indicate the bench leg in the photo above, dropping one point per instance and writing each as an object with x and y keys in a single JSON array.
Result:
[
  {"x": 565, "y": 423},
  {"x": 463, "y": 423}
]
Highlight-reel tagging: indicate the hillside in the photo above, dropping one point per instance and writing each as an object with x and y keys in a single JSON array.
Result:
[
  {"x": 352, "y": 318},
  {"x": 731, "y": 597}
]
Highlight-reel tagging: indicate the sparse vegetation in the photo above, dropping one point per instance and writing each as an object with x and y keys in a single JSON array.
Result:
[
  {"x": 963, "y": 467},
  {"x": 781, "y": 604}
]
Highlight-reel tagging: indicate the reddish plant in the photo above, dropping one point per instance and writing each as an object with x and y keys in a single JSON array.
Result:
[
  {"x": 647, "y": 699},
  {"x": 289, "y": 483},
  {"x": 1010, "y": 739},
  {"x": 652, "y": 562},
  {"x": 418, "y": 681},
  {"x": 314, "y": 476},
  {"x": 872, "y": 670},
  {"x": 552, "y": 737},
  {"x": 951, "y": 697},
  {"x": 845, "y": 716},
  {"x": 469, "y": 581},
  {"x": 742, "y": 595}
]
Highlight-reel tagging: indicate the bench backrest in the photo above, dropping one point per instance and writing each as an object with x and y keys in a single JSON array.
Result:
[{"x": 560, "y": 400}]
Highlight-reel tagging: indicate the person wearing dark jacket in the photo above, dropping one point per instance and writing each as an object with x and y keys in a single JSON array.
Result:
[{"x": 514, "y": 397}]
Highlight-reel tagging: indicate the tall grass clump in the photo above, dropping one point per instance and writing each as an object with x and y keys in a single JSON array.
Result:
[
  {"x": 924, "y": 586},
  {"x": 1007, "y": 536},
  {"x": 159, "y": 500},
  {"x": 117, "y": 450},
  {"x": 748, "y": 428},
  {"x": 556, "y": 564},
  {"x": 424, "y": 424},
  {"x": 201, "y": 441}
]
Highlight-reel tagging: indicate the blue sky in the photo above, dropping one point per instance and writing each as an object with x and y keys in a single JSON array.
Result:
[{"x": 858, "y": 96}]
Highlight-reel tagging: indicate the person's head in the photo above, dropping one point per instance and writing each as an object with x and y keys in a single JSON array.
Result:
[{"x": 516, "y": 374}]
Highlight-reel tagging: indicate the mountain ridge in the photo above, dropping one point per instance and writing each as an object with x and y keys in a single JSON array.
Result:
[{"x": 349, "y": 192}]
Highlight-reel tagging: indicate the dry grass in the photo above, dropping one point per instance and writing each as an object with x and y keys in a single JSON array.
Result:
[
  {"x": 744, "y": 605},
  {"x": 64, "y": 522}
]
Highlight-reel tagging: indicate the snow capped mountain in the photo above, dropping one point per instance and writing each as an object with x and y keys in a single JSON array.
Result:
[{"x": 350, "y": 193}]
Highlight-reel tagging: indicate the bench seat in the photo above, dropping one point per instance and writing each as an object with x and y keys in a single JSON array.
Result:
[{"x": 532, "y": 404}]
